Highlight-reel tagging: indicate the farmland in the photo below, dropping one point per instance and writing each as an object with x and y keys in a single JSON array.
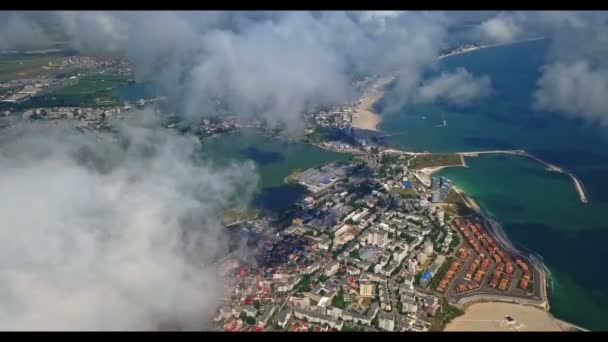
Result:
[
  {"x": 27, "y": 67},
  {"x": 94, "y": 90},
  {"x": 92, "y": 84}
]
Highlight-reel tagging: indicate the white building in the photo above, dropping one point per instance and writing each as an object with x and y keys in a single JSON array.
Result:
[
  {"x": 310, "y": 269},
  {"x": 408, "y": 279},
  {"x": 412, "y": 266},
  {"x": 421, "y": 257},
  {"x": 289, "y": 285},
  {"x": 378, "y": 238},
  {"x": 409, "y": 305},
  {"x": 428, "y": 247},
  {"x": 284, "y": 317},
  {"x": 386, "y": 321},
  {"x": 331, "y": 268},
  {"x": 399, "y": 254},
  {"x": 266, "y": 316},
  {"x": 250, "y": 311}
]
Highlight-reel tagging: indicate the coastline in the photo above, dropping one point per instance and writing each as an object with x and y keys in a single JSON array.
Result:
[
  {"x": 364, "y": 116},
  {"x": 499, "y": 234},
  {"x": 490, "y": 316},
  {"x": 496, "y": 231}
]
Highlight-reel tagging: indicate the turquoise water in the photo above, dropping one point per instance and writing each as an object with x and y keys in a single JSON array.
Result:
[
  {"x": 274, "y": 159},
  {"x": 539, "y": 210}
]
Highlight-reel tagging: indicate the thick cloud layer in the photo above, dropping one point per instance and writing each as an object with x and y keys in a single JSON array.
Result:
[
  {"x": 275, "y": 64},
  {"x": 18, "y": 33},
  {"x": 110, "y": 235}
]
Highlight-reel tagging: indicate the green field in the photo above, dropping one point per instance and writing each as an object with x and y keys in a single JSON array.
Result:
[
  {"x": 93, "y": 90},
  {"x": 444, "y": 315},
  {"x": 434, "y": 160},
  {"x": 404, "y": 192},
  {"x": 92, "y": 84},
  {"x": 27, "y": 67},
  {"x": 456, "y": 205}
]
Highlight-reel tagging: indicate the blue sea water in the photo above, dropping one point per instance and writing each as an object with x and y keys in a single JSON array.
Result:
[{"x": 539, "y": 210}]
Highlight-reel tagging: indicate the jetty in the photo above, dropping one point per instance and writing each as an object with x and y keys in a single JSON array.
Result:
[
  {"x": 392, "y": 134},
  {"x": 578, "y": 184}
]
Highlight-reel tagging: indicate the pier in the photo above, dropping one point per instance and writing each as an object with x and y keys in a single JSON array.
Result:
[
  {"x": 391, "y": 134},
  {"x": 578, "y": 184}
]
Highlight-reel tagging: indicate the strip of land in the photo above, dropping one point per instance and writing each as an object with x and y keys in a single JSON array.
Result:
[{"x": 364, "y": 116}]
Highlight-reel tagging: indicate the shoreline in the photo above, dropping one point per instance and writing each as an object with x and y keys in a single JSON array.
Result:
[
  {"x": 496, "y": 231},
  {"x": 364, "y": 116},
  {"x": 499, "y": 234},
  {"x": 490, "y": 316}
]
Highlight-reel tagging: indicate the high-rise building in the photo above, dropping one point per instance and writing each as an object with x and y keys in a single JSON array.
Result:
[
  {"x": 386, "y": 321},
  {"x": 435, "y": 183},
  {"x": 421, "y": 257},
  {"x": 378, "y": 237},
  {"x": 412, "y": 266},
  {"x": 348, "y": 130},
  {"x": 435, "y": 196},
  {"x": 428, "y": 247}
]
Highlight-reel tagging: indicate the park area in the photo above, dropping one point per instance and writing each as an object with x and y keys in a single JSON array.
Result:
[
  {"x": 96, "y": 90},
  {"x": 435, "y": 160},
  {"x": 92, "y": 84}
]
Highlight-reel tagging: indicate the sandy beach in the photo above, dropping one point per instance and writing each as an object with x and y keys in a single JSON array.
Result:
[
  {"x": 490, "y": 316},
  {"x": 364, "y": 116}
]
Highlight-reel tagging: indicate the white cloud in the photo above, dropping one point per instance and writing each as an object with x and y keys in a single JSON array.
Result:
[
  {"x": 17, "y": 32},
  {"x": 459, "y": 87},
  {"x": 110, "y": 236},
  {"x": 575, "y": 90},
  {"x": 500, "y": 29},
  {"x": 276, "y": 64}
]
